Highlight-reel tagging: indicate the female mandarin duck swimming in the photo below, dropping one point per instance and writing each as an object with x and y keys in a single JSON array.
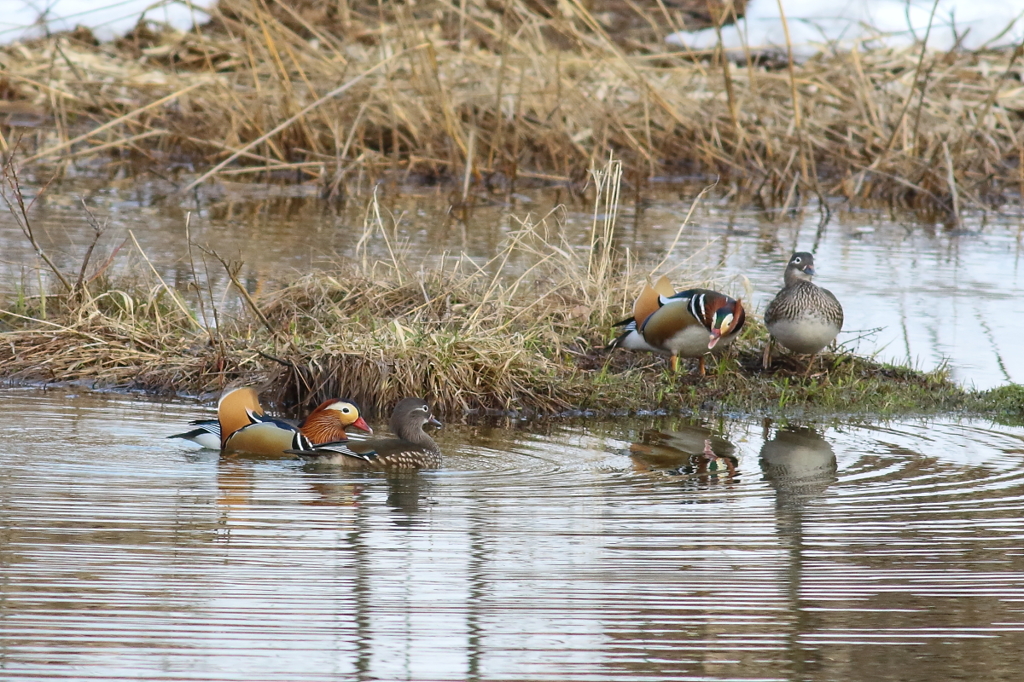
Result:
[
  {"x": 687, "y": 324},
  {"x": 242, "y": 426},
  {"x": 411, "y": 448},
  {"x": 803, "y": 317}
]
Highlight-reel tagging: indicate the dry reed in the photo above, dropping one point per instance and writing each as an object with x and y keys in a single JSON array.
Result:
[
  {"x": 523, "y": 333},
  {"x": 476, "y": 92},
  {"x": 471, "y": 336}
]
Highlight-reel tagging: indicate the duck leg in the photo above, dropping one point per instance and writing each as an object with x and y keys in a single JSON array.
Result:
[
  {"x": 766, "y": 358},
  {"x": 810, "y": 364},
  {"x": 674, "y": 363},
  {"x": 700, "y": 366}
]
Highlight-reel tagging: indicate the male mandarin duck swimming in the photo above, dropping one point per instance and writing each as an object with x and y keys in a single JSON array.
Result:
[
  {"x": 688, "y": 324},
  {"x": 242, "y": 426},
  {"x": 803, "y": 317},
  {"x": 411, "y": 448}
]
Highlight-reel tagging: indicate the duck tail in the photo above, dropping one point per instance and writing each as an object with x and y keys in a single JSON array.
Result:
[{"x": 628, "y": 329}]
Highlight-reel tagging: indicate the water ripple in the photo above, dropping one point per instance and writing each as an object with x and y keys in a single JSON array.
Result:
[{"x": 585, "y": 551}]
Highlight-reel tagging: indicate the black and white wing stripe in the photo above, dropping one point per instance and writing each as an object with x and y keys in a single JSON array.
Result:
[{"x": 334, "y": 449}]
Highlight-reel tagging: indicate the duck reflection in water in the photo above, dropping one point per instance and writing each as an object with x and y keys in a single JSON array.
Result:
[
  {"x": 690, "y": 450},
  {"x": 799, "y": 464},
  {"x": 407, "y": 491}
]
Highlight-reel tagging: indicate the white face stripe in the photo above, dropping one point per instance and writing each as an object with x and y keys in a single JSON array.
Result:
[{"x": 344, "y": 408}]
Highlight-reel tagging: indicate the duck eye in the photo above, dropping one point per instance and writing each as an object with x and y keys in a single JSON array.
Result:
[
  {"x": 345, "y": 410},
  {"x": 797, "y": 260}
]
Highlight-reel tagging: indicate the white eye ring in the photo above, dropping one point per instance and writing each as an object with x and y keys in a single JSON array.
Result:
[{"x": 797, "y": 260}]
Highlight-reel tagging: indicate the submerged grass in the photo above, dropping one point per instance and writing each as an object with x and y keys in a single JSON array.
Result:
[
  {"x": 523, "y": 333},
  {"x": 487, "y": 94}
]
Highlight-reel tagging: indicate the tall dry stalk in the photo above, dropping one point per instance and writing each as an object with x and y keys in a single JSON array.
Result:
[
  {"x": 607, "y": 188},
  {"x": 274, "y": 87}
]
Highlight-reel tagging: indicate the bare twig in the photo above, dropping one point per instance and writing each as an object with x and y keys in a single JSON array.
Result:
[
  {"x": 170, "y": 292},
  {"x": 951, "y": 181},
  {"x": 97, "y": 233},
  {"x": 195, "y": 278},
  {"x": 682, "y": 225},
  {"x": 12, "y": 185},
  {"x": 233, "y": 268}
]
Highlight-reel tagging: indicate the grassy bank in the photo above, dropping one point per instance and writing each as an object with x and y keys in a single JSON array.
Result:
[
  {"x": 523, "y": 333},
  {"x": 487, "y": 95}
]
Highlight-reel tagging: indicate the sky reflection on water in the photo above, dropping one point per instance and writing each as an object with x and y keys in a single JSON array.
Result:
[
  {"x": 912, "y": 292},
  {"x": 570, "y": 551}
]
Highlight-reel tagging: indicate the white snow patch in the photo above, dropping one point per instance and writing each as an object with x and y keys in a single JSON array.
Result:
[
  {"x": 817, "y": 24},
  {"x": 108, "y": 19}
]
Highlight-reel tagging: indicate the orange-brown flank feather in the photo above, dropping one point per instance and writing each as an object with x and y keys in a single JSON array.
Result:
[
  {"x": 648, "y": 302},
  {"x": 232, "y": 411}
]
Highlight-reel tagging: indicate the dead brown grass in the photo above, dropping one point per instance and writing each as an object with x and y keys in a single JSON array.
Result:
[
  {"x": 497, "y": 93},
  {"x": 472, "y": 336},
  {"x": 523, "y": 333}
]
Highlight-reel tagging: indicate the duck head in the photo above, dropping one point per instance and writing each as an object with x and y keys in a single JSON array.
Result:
[
  {"x": 410, "y": 416},
  {"x": 329, "y": 420},
  {"x": 723, "y": 317},
  {"x": 800, "y": 268}
]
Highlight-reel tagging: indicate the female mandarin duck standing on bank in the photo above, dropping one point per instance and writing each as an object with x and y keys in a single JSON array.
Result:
[
  {"x": 688, "y": 324},
  {"x": 241, "y": 426},
  {"x": 803, "y": 317},
  {"x": 411, "y": 448}
]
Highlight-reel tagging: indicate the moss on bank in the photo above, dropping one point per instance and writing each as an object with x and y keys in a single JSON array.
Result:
[{"x": 1004, "y": 404}]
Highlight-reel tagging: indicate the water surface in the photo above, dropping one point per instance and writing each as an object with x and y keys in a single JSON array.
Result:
[
  {"x": 565, "y": 551},
  {"x": 918, "y": 292}
]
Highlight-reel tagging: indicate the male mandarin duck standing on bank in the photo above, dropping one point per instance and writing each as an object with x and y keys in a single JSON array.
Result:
[
  {"x": 241, "y": 426},
  {"x": 688, "y": 324},
  {"x": 803, "y": 317},
  {"x": 411, "y": 448}
]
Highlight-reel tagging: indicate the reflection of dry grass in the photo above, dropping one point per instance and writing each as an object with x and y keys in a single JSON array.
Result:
[
  {"x": 523, "y": 332},
  {"x": 524, "y": 89}
]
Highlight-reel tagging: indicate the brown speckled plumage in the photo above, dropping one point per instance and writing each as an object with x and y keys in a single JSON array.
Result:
[
  {"x": 803, "y": 317},
  {"x": 805, "y": 299}
]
